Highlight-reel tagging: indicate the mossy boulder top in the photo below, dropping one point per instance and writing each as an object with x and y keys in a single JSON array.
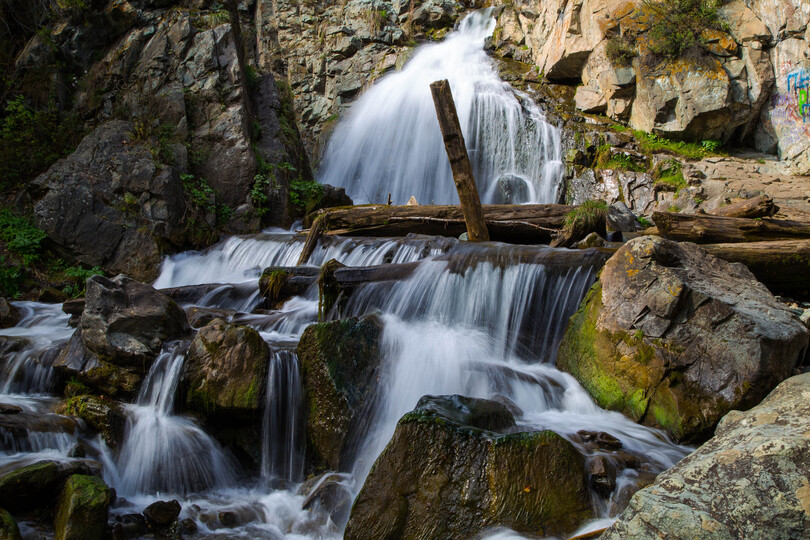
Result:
[
  {"x": 675, "y": 338},
  {"x": 442, "y": 478},
  {"x": 83, "y": 509},
  {"x": 226, "y": 370}
]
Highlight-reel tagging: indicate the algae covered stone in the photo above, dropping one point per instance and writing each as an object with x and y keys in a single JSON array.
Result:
[
  {"x": 675, "y": 338},
  {"x": 83, "y": 508},
  {"x": 8, "y": 527},
  {"x": 226, "y": 370},
  {"x": 340, "y": 361},
  {"x": 752, "y": 480},
  {"x": 441, "y": 478}
]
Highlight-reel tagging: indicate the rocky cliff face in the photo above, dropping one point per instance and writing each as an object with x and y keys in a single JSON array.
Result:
[{"x": 750, "y": 87}]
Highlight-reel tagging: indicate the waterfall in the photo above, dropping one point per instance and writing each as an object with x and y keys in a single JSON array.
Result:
[
  {"x": 390, "y": 141},
  {"x": 167, "y": 453},
  {"x": 283, "y": 423}
]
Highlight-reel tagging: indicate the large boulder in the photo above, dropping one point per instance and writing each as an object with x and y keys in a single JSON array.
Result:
[
  {"x": 37, "y": 485},
  {"x": 82, "y": 509},
  {"x": 340, "y": 362},
  {"x": 126, "y": 322},
  {"x": 675, "y": 338},
  {"x": 109, "y": 204},
  {"x": 451, "y": 471},
  {"x": 751, "y": 480},
  {"x": 226, "y": 371},
  {"x": 104, "y": 415}
]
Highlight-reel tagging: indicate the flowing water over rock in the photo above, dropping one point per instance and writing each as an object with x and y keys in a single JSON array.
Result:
[
  {"x": 477, "y": 320},
  {"x": 390, "y": 141}
]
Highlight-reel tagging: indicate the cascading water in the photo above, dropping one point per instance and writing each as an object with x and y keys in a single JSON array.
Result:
[
  {"x": 167, "y": 453},
  {"x": 390, "y": 141},
  {"x": 283, "y": 426}
]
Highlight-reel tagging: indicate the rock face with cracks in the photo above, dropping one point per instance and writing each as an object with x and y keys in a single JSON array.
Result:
[
  {"x": 751, "y": 480},
  {"x": 453, "y": 469},
  {"x": 675, "y": 338}
]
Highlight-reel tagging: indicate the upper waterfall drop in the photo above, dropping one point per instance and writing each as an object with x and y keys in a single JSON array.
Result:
[{"x": 390, "y": 141}]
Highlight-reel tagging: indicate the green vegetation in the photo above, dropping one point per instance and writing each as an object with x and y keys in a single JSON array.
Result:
[
  {"x": 305, "y": 195},
  {"x": 21, "y": 237},
  {"x": 644, "y": 222},
  {"x": 669, "y": 176},
  {"x": 31, "y": 140},
  {"x": 674, "y": 27},
  {"x": 79, "y": 275},
  {"x": 606, "y": 158},
  {"x": 620, "y": 51},
  {"x": 203, "y": 198},
  {"x": 651, "y": 143},
  {"x": 588, "y": 216}
]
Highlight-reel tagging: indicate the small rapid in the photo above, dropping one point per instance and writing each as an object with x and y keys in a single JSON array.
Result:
[{"x": 390, "y": 140}]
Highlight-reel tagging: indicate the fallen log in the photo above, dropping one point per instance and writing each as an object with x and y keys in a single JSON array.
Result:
[
  {"x": 706, "y": 229},
  {"x": 756, "y": 207},
  {"x": 783, "y": 266},
  {"x": 523, "y": 224},
  {"x": 459, "y": 161}
]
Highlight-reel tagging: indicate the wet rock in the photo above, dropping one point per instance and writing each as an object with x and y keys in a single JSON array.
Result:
[
  {"x": 513, "y": 189},
  {"x": 189, "y": 526},
  {"x": 593, "y": 240},
  {"x": 8, "y": 527},
  {"x": 126, "y": 322},
  {"x": 199, "y": 316},
  {"x": 37, "y": 485},
  {"x": 620, "y": 218},
  {"x": 8, "y": 408},
  {"x": 228, "y": 519},
  {"x": 9, "y": 315},
  {"x": 340, "y": 361},
  {"x": 438, "y": 478},
  {"x": 278, "y": 284},
  {"x": 74, "y": 307},
  {"x": 334, "y": 196},
  {"x": 484, "y": 414},
  {"x": 749, "y": 480},
  {"x": 106, "y": 416},
  {"x": 130, "y": 526},
  {"x": 602, "y": 440},
  {"x": 162, "y": 513},
  {"x": 602, "y": 475},
  {"x": 675, "y": 338},
  {"x": 82, "y": 509},
  {"x": 330, "y": 494}
]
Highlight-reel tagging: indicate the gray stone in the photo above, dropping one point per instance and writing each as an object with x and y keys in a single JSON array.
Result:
[
  {"x": 749, "y": 481},
  {"x": 621, "y": 218}
]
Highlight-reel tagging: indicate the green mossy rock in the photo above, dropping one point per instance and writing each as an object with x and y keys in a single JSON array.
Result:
[
  {"x": 340, "y": 361},
  {"x": 83, "y": 509},
  {"x": 104, "y": 415},
  {"x": 226, "y": 371},
  {"x": 37, "y": 485},
  {"x": 439, "y": 478},
  {"x": 8, "y": 527},
  {"x": 675, "y": 338}
]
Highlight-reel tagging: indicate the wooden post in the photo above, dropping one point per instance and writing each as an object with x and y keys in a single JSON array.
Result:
[{"x": 459, "y": 161}]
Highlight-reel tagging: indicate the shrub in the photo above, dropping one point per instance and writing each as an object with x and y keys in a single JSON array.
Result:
[
  {"x": 305, "y": 195},
  {"x": 22, "y": 238},
  {"x": 31, "y": 140},
  {"x": 675, "y": 26},
  {"x": 620, "y": 51},
  {"x": 669, "y": 176}
]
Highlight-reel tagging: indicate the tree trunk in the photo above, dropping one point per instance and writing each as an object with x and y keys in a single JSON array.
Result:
[
  {"x": 459, "y": 161},
  {"x": 783, "y": 266},
  {"x": 706, "y": 229},
  {"x": 522, "y": 224}
]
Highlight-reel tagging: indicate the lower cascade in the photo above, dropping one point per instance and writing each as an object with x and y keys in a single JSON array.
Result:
[{"x": 480, "y": 321}]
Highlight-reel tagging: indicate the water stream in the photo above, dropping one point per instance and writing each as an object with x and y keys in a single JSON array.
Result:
[
  {"x": 390, "y": 141},
  {"x": 479, "y": 320}
]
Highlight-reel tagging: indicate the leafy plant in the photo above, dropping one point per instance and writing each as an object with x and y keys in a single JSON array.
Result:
[
  {"x": 620, "y": 51},
  {"x": 9, "y": 277},
  {"x": 21, "y": 236},
  {"x": 31, "y": 140},
  {"x": 711, "y": 145},
  {"x": 675, "y": 26},
  {"x": 644, "y": 222},
  {"x": 669, "y": 176},
  {"x": 607, "y": 159},
  {"x": 202, "y": 197},
  {"x": 305, "y": 195},
  {"x": 79, "y": 276},
  {"x": 651, "y": 143}
]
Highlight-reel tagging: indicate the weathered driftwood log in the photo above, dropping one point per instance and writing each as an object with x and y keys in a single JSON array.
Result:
[
  {"x": 756, "y": 207},
  {"x": 315, "y": 233},
  {"x": 522, "y": 224},
  {"x": 706, "y": 229},
  {"x": 459, "y": 161},
  {"x": 783, "y": 266}
]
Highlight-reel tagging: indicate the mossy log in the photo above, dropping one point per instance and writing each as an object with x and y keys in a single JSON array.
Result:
[
  {"x": 525, "y": 223},
  {"x": 783, "y": 266},
  {"x": 706, "y": 229},
  {"x": 756, "y": 207}
]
